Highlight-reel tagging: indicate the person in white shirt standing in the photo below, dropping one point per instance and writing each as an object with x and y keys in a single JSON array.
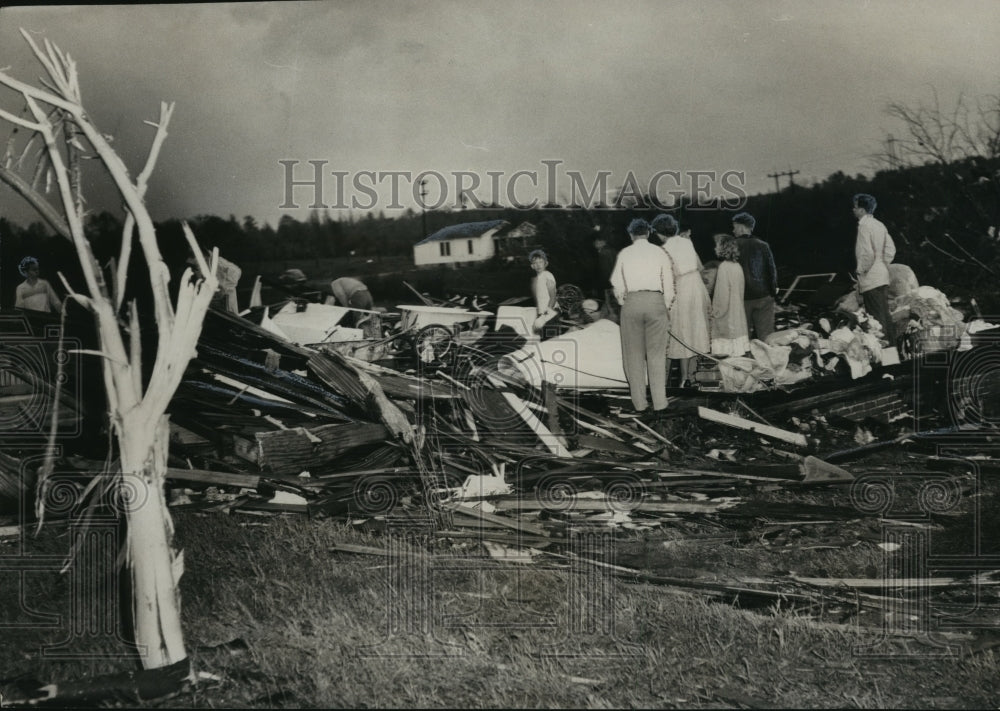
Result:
[
  {"x": 643, "y": 282},
  {"x": 874, "y": 251}
]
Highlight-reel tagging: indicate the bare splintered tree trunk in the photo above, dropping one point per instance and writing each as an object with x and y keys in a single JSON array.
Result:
[
  {"x": 136, "y": 409},
  {"x": 156, "y": 569}
]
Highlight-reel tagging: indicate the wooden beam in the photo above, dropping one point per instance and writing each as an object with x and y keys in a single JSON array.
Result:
[
  {"x": 816, "y": 471},
  {"x": 599, "y": 505},
  {"x": 503, "y": 521},
  {"x": 292, "y": 450},
  {"x": 744, "y": 424},
  {"x": 555, "y": 443},
  {"x": 605, "y": 444},
  {"x": 204, "y": 476},
  {"x": 890, "y": 582}
]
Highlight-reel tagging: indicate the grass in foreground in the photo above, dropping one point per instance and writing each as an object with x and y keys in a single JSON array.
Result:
[{"x": 318, "y": 628}]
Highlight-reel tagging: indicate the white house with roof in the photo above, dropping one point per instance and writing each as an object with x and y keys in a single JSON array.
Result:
[{"x": 455, "y": 244}]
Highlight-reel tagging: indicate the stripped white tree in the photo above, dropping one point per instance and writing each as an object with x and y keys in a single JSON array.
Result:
[{"x": 136, "y": 409}]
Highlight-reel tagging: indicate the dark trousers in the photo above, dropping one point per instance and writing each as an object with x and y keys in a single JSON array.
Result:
[
  {"x": 877, "y": 305},
  {"x": 760, "y": 317},
  {"x": 611, "y": 310}
]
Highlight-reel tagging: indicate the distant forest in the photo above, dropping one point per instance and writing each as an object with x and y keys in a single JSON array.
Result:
[{"x": 944, "y": 218}]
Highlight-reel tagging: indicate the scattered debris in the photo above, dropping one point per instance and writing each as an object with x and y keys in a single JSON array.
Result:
[{"x": 484, "y": 449}]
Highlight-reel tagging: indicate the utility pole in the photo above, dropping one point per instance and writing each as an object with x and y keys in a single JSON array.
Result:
[
  {"x": 891, "y": 145},
  {"x": 423, "y": 204},
  {"x": 789, "y": 173}
]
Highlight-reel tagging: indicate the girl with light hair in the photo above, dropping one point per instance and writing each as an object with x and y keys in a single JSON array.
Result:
[
  {"x": 33, "y": 293},
  {"x": 543, "y": 288},
  {"x": 730, "y": 336}
]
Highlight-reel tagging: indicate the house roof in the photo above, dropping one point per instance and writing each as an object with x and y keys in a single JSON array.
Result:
[
  {"x": 463, "y": 230},
  {"x": 525, "y": 229}
]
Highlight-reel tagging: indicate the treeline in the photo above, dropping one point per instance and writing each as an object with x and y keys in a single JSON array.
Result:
[{"x": 944, "y": 219}]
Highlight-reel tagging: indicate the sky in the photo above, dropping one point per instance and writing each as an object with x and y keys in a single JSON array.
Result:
[{"x": 492, "y": 89}]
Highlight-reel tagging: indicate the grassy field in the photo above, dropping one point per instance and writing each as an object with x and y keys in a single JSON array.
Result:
[{"x": 278, "y": 615}]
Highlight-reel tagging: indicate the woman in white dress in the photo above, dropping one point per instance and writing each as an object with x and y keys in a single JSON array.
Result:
[{"x": 689, "y": 315}]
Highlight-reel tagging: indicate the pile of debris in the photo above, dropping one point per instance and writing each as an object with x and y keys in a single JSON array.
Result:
[{"x": 263, "y": 426}]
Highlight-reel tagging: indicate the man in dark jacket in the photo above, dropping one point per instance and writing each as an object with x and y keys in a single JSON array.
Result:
[
  {"x": 760, "y": 276},
  {"x": 605, "y": 263}
]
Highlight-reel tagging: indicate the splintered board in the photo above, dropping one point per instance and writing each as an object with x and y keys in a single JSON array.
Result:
[{"x": 290, "y": 451}]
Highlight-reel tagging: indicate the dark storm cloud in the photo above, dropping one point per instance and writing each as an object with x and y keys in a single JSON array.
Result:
[{"x": 455, "y": 85}]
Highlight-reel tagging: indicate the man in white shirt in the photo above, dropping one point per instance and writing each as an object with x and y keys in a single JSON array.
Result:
[
  {"x": 643, "y": 282},
  {"x": 874, "y": 251}
]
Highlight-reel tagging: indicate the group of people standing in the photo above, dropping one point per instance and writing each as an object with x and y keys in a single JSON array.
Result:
[{"x": 666, "y": 310}]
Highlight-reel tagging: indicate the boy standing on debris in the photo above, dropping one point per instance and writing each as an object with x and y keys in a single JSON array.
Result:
[
  {"x": 760, "y": 277},
  {"x": 643, "y": 280},
  {"x": 874, "y": 251}
]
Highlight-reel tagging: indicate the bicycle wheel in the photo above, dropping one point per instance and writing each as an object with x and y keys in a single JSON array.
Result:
[{"x": 432, "y": 343}]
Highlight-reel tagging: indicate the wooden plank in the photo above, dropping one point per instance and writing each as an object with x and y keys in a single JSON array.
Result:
[
  {"x": 550, "y": 440},
  {"x": 426, "y": 300},
  {"x": 503, "y": 537},
  {"x": 744, "y": 424},
  {"x": 659, "y": 436},
  {"x": 816, "y": 471},
  {"x": 606, "y": 445},
  {"x": 267, "y": 506},
  {"x": 710, "y": 586},
  {"x": 723, "y": 472},
  {"x": 890, "y": 582},
  {"x": 598, "y": 430},
  {"x": 403, "y": 386},
  {"x": 580, "y": 412},
  {"x": 294, "y": 450},
  {"x": 526, "y": 504},
  {"x": 358, "y": 549},
  {"x": 498, "y": 520},
  {"x": 204, "y": 476}
]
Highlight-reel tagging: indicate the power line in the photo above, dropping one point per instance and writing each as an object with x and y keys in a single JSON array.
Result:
[{"x": 789, "y": 173}]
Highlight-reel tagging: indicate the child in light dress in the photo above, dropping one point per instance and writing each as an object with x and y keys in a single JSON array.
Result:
[{"x": 730, "y": 336}]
